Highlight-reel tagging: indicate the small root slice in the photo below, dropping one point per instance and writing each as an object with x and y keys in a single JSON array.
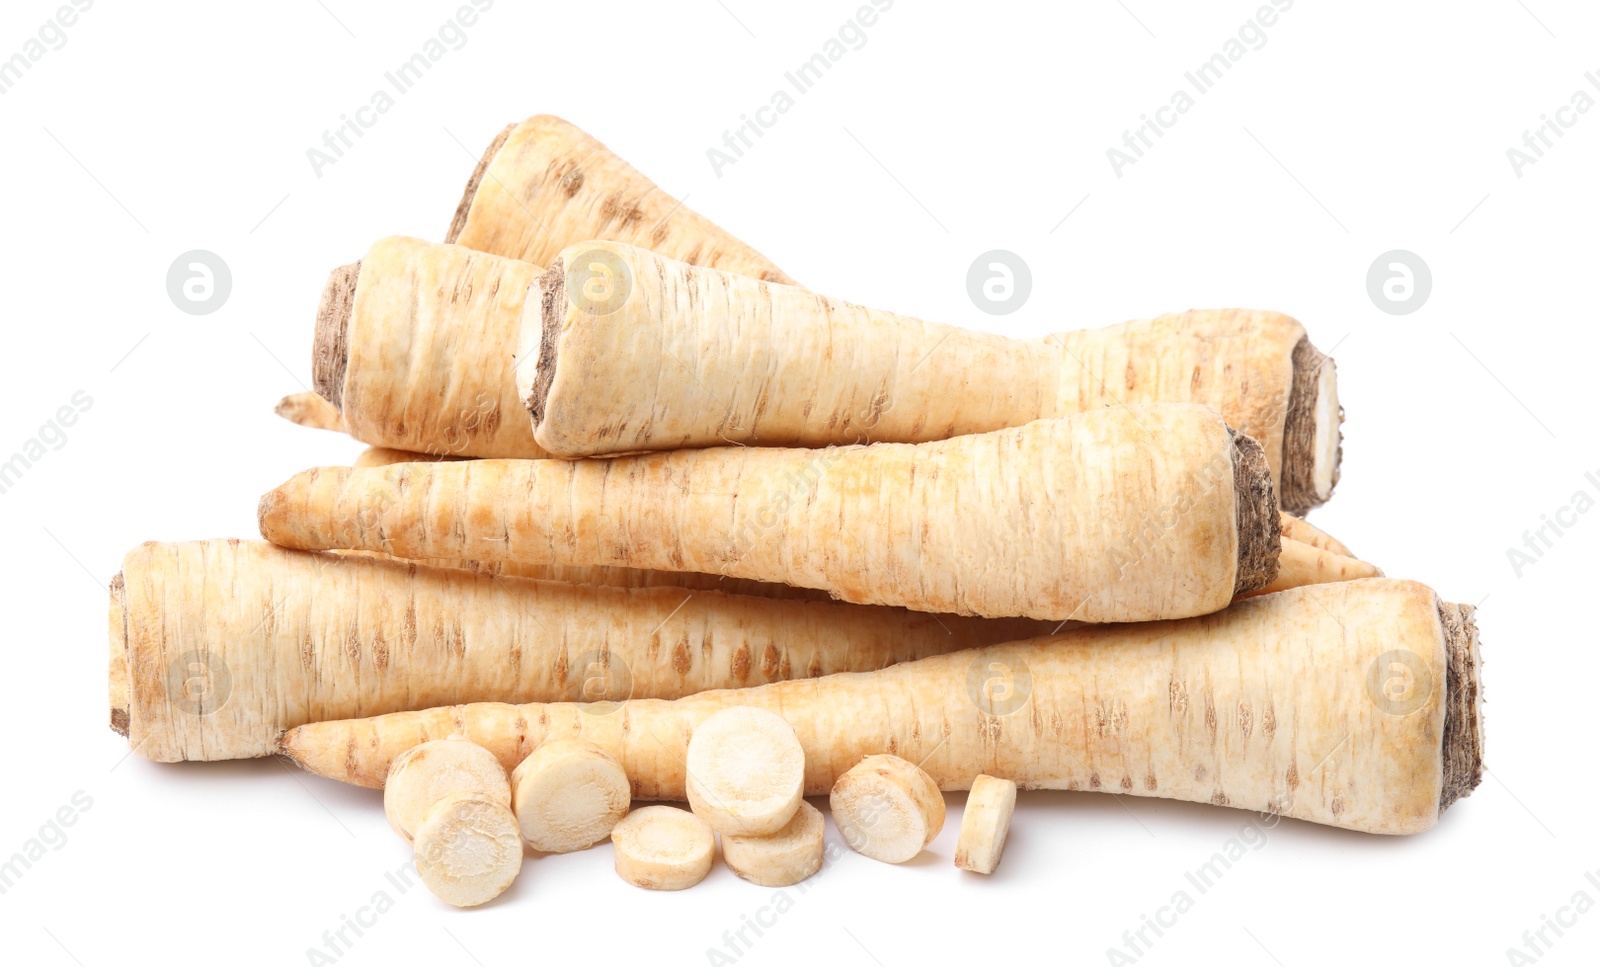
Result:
[
  {"x": 887, "y": 808},
  {"x": 663, "y": 848},
  {"x": 746, "y": 771},
  {"x": 985, "y": 823},
  {"x": 428, "y": 773},
  {"x": 568, "y": 794},
  {"x": 467, "y": 849},
  {"x": 786, "y": 857},
  {"x": 1301, "y": 564}
]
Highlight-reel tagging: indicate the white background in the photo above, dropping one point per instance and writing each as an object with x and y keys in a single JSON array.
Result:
[{"x": 1358, "y": 128}]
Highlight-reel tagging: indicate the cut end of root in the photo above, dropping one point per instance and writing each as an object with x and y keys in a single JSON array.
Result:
[
  {"x": 1463, "y": 715},
  {"x": 1311, "y": 435},
  {"x": 459, "y": 222},
  {"x": 118, "y": 629},
  {"x": 552, "y": 313},
  {"x": 1257, "y": 515},
  {"x": 330, "y": 352}
]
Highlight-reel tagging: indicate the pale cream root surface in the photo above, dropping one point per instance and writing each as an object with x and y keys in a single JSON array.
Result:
[
  {"x": 617, "y": 577},
  {"x": 745, "y": 771},
  {"x": 1300, "y": 564},
  {"x": 784, "y": 858},
  {"x": 551, "y": 185},
  {"x": 432, "y": 771},
  {"x": 663, "y": 848},
  {"x": 467, "y": 849},
  {"x": 218, "y": 646},
  {"x": 311, "y": 411},
  {"x": 886, "y": 808},
  {"x": 1119, "y": 514},
  {"x": 693, "y": 357},
  {"x": 1272, "y": 704},
  {"x": 985, "y": 822},
  {"x": 568, "y": 794},
  {"x": 429, "y": 351}
]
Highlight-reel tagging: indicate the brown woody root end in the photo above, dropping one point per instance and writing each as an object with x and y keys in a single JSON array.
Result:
[
  {"x": 1257, "y": 515},
  {"x": 459, "y": 222},
  {"x": 552, "y": 312},
  {"x": 1463, "y": 713},
  {"x": 119, "y": 695},
  {"x": 1312, "y": 407},
  {"x": 330, "y": 349}
]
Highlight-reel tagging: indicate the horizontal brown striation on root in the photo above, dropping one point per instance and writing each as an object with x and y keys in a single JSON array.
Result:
[
  {"x": 1257, "y": 508},
  {"x": 330, "y": 351}
]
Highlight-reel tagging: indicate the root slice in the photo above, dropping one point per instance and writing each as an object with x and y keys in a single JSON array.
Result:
[
  {"x": 568, "y": 795},
  {"x": 985, "y": 823},
  {"x": 330, "y": 350},
  {"x": 663, "y": 848},
  {"x": 467, "y": 849},
  {"x": 786, "y": 857},
  {"x": 887, "y": 808},
  {"x": 428, "y": 773},
  {"x": 746, "y": 771}
]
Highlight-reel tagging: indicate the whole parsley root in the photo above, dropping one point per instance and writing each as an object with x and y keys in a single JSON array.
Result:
[
  {"x": 1123, "y": 514},
  {"x": 218, "y": 646},
  {"x": 623, "y": 349},
  {"x": 1355, "y": 704}
]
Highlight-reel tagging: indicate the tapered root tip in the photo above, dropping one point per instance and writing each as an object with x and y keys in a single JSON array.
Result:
[
  {"x": 459, "y": 221},
  {"x": 1463, "y": 716},
  {"x": 1256, "y": 509},
  {"x": 552, "y": 307},
  {"x": 1311, "y": 434},
  {"x": 330, "y": 351},
  {"x": 309, "y": 410}
]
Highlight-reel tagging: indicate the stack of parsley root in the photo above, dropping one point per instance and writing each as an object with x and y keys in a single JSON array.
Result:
[{"x": 644, "y": 519}]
